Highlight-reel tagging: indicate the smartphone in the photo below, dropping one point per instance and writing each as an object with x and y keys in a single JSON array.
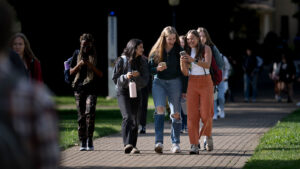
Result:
[{"x": 182, "y": 53}]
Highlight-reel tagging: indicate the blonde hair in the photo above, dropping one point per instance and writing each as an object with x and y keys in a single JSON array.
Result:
[
  {"x": 208, "y": 42},
  {"x": 158, "y": 48}
]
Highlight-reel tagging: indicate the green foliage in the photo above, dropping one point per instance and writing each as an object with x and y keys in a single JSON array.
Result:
[{"x": 280, "y": 147}]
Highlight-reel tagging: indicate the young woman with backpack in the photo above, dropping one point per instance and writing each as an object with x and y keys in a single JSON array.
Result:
[
  {"x": 130, "y": 67},
  {"x": 220, "y": 86},
  {"x": 83, "y": 71}
]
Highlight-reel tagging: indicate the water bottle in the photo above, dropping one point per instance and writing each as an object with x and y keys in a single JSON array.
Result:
[{"x": 132, "y": 89}]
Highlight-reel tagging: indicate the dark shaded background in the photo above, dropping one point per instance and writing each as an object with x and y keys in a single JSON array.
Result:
[{"x": 53, "y": 27}]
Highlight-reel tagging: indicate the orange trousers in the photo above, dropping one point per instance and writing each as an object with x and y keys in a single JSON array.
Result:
[{"x": 200, "y": 105}]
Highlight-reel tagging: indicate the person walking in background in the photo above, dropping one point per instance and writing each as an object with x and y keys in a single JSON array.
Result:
[
  {"x": 200, "y": 90},
  {"x": 250, "y": 67},
  {"x": 287, "y": 75},
  {"x": 144, "y": 101},
  {"x": 222, "y": 88},
  {"x": 273, "y": 74},
  {"x": 183, "y": 97},
  {"x": 182, "y": 40},
  {"x": 164, "y": 62},
  {"x": 206, "y": 39},
  {"x": 28, "y": 121},
  {"x": 131, "y": 66},
  {"x": 83, "y": 69},
  {"x": 20, "y": 44}
]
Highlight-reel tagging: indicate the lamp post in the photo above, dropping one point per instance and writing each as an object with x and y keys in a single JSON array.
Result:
[
  {"x": 173, "y": 4},
  {"x": 112, "y": 51}
]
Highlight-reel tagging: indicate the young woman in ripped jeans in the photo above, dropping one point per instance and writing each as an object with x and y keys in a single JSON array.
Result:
[{"x": 164, "y": 62}]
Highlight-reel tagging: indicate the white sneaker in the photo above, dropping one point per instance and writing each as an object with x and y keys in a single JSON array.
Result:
[
  {"x": 209, "y": 146},
  {"x": 222, "y": 115},
  {"x": 215, "y": 117},
  {"x": 175, "y": 148},
  {"x": 194, "y": 149},
  {"x": 159, "y": 148}
]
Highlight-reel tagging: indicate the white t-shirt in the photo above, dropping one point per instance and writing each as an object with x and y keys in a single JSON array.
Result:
[{"x": 197, "y": 70}]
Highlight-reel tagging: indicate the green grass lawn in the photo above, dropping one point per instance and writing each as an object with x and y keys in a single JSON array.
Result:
[
  {"x": 279, "y": 148},
  {"x": 108, "y": 121},
  {"x": 102, "y": 101}
]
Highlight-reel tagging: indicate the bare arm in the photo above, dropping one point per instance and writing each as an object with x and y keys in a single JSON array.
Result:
[
  {"x": 76, "y": 68},
  {"x": 207, "y": 58},
  {"x": 91, "y": 66},
  {"x": 184, "y": 66}
]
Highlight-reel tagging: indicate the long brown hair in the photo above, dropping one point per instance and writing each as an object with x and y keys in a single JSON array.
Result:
[
  {"x": 28, "y": 53},
  {"x": 199, "y": 48},
  {"x": 208, "y": 42},
  {"x": 158, "y": 48}
]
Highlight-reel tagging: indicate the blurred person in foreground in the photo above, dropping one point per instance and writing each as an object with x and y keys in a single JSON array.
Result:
[{"x": 28, "y": 122}]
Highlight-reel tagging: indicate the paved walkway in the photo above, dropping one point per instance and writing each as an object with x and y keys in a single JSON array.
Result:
[{"x": 235, "y": 139}]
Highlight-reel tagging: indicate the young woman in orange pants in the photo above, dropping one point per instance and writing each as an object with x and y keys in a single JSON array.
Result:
[{"x": 196, "y": 64}]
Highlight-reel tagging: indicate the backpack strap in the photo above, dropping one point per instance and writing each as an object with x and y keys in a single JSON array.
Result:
[{"x": 203, "y": 56}]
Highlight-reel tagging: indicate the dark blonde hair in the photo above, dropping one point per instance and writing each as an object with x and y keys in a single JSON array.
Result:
[
  {"x": 208, "y": 42},
  {"x": 87, "y": 36},
  {"x": 158, "y": 48}
]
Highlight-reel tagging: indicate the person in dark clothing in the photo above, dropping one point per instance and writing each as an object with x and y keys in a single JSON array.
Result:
[
  {"x": 287, "y": 74},
  {"x": 250, "y": 75},
  {"x": 130, "y": 67},
  {"x": 84, "y": 71},
  {"x": 144, "y": 103},
  {"x": 16, "y": 61}
]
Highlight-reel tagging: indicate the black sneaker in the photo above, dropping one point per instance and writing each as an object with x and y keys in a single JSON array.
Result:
[
  {"x": 82, "y": 145},
  {"x": 128, "y": 148},
  {"x": 90, "y": 146},
  {"x": 143, "y": 130}
]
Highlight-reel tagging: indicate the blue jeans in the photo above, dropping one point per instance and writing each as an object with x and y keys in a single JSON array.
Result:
[
  {"x": 161, "y": 89},
  {"x": 183, "y": 115},
  {"x": 220, "y": 101},
  {"x": 250, "y": 81}
]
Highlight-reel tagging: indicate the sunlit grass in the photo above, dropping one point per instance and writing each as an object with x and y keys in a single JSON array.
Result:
[
  {"x": 280, "y": 147},
  {"x": 101, "y": 101},
  {"x": 108, "y": 121}
]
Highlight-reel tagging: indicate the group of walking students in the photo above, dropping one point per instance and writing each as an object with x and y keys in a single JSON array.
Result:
[{"x": 178, "y": 71}]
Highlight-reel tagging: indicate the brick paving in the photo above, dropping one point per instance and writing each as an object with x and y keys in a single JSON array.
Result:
[{"x": 235, "y": 139}]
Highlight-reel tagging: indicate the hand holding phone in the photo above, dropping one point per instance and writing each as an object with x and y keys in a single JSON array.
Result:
[{"x": 182, "y": 53}]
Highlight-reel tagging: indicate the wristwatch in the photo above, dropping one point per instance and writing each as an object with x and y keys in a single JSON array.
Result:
[{"x": 196, "y": 61}]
